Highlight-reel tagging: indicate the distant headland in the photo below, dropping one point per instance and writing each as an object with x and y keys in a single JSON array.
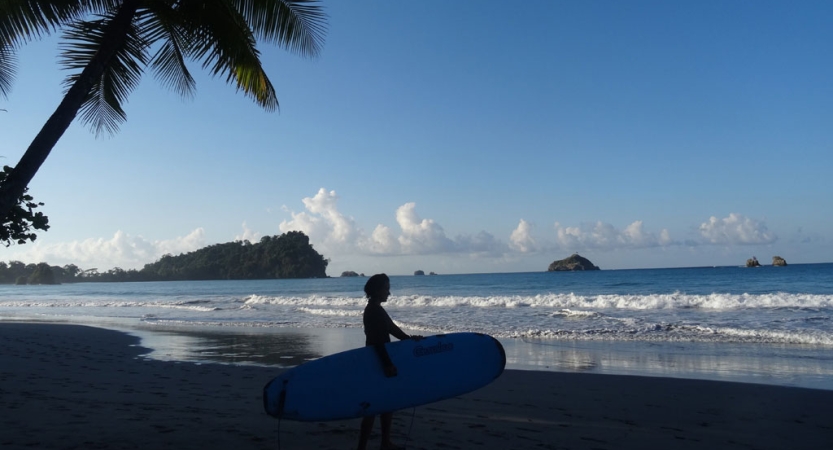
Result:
[{"x": 289, "y": 255}]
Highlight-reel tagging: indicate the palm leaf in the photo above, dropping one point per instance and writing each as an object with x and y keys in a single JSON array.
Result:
[
  {"x": 299, "y": 25},
  {"x": 8, "y": 67},
  {"x": 24, "y": 20},
  {"x": 102, "y": 108},
  {"x": 225, "y": 44},
  {"x": 161, "y": 26}
]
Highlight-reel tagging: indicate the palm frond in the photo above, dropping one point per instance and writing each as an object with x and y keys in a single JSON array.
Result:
[
  {"x": 297, "y": 25},
  {"x": 102, "y": 109},
  {"x": 225, "y": 44},
  {"x": 24, "y": 20},
  {"x": 160, "y": 25},
  {"x": 8, "y": 67}
]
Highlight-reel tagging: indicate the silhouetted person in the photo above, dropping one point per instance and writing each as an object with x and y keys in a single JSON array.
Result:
[{"x": 378, "y": 327}]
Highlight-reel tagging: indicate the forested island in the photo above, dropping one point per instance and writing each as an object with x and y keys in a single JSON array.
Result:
[{"x": 289, "y": 255}]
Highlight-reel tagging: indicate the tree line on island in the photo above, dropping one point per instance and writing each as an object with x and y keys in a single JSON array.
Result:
[{"x": 289, "y": 255}]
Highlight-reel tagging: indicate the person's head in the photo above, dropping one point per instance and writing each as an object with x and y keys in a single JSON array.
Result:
[{"x": 377, "y": 287}]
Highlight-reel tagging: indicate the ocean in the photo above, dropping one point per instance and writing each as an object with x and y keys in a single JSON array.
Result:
[{"x": 765, "y": 324}]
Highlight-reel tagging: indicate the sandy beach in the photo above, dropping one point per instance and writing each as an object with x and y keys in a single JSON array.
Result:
[{"x": 70, "y": 386}]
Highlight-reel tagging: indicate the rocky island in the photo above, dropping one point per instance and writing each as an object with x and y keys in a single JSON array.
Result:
[{"x": 573, "y": 263}]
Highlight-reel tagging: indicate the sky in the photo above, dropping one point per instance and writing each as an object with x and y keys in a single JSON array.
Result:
[{"x": 466, "y": 137}]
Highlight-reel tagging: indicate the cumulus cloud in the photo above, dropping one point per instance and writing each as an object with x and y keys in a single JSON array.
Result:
[
  {"x": 382, "y": 241},
  {"x": 248, "y": 235},
  {"x": 323, "y": 222},
  {"x": 521, "y": 238},
  {"x": 122, "y": 250},
  {"x": 604, "y": 236},
  {"x": 736, "y": 229},
  {"x": 333, "y": 232},
  {"x": 420, "y": 236}
]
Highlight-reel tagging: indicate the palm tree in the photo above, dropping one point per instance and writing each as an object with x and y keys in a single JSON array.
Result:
[{"x": 109, "y": 43}]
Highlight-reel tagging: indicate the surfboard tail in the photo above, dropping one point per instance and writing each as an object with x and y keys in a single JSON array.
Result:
[{"x": 272, "y": 408}]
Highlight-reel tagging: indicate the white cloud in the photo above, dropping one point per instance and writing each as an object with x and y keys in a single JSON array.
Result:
[
  {"x": 342, "y": 228},
  {"x": 248, "y": 235},
  {"x": 323, "y": 223},
  {"x": 411, "y": 238},
  {"x": 604, "y": 236},
  {"x": 122, "y": 250},
  {"x": 420, "y": 236},
  {"x": 736, "y": 229},
  {"x": 482, "y": 243},
  {"x": 382, "y": 241},
  {"x": 333, "y": 232},
  {"x": 521, "y": 238}
]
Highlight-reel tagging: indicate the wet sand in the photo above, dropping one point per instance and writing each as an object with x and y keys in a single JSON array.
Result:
[{"x": 70, "y": 386}]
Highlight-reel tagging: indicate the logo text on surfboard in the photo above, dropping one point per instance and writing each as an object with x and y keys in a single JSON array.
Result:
[{"x": 440, "y": 347}]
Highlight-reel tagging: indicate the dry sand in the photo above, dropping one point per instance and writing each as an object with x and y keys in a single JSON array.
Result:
[{"x": 69, "y": 386}]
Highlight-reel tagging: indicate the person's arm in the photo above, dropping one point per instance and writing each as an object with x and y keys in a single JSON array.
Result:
[
  {"x": 387, "y": 364},
  {"x": 401, "y": 335},
  {"x": 395, "y": 331}
]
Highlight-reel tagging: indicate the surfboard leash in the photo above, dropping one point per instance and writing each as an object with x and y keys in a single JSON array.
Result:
[
  {"x": 408, "y": 436},
  {"x": 281, "y": 403},
  {"x": 279, "y": 433}
]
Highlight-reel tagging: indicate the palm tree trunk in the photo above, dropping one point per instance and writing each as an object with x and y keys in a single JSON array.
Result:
[{"x": 17, "y": 181}]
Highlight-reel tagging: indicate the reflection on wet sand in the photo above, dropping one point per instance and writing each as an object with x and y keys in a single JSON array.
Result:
[
  {"x": 790, "y": 365},
  {"x": 278, "y": 347}
]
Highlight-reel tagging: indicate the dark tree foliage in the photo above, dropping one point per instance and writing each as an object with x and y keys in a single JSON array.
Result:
[
  {"x": 19, "y": 225},
  {"x": 42, "y": 275},
  {"x": 289, "y": 255}
]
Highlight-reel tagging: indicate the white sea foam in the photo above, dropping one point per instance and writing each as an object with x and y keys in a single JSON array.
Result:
[
  {"x": 675, "y": 316},
  {"x": 332, "y": 312},
  {"x": 304, "y": 301},
  {"x": 567, "y": 302},
  {"x": 635, "y": 302},
  {"x": 576, "y": 314}
]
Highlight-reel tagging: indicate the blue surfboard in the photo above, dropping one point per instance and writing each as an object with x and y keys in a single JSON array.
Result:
[{"x": 353, "y": 384}]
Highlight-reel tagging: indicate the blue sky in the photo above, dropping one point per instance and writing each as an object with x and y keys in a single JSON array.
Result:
[{"x": 461, "y": 137}]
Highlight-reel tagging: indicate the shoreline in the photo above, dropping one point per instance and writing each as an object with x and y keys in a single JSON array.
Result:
[
  {"x": 788, "y": 365},
  {"x": 74, "y": 386},
  {"x": 781, "y": 365}
]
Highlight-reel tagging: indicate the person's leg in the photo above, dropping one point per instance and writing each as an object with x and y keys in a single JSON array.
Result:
[
  {"x": 387, "y": 420},
  {"x": 364, "y": 431}
]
